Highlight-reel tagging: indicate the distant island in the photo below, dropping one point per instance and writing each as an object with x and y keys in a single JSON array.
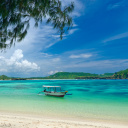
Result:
[{"x": 75, "y": 75}]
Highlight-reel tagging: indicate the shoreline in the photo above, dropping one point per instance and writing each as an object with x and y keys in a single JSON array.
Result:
[
  {"x": 62, "y": 79},
  {"x": 33, "y": 121}
]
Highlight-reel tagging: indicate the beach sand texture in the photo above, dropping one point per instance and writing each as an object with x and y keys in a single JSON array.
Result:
[{"x": 20, "y": 121}]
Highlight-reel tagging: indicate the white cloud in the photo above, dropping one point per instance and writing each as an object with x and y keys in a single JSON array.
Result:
[
  {"x": 3, "y": 70},
  {"x": 16, "y": 63},
  {"x": 46, "y": 55},
  {"x": 80, "y": 56},
  {"x": 71, "y": 31},
  {"x": 99, "y": 64},
  {"x": 96, "y": 66},
  {"x": 115, "y": 5},
  {"x": 116, "y": 37},
  {"x": 17, "y": 55},
  {"x": 53, "y": 72},
  {"x": 56, "y": 59}
]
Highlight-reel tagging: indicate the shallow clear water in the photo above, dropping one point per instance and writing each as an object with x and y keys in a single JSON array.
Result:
[{"x": 97, "y": 99}]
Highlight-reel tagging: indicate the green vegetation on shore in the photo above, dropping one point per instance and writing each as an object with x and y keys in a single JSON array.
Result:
[
  {"x": 121, "y": 74},
  {"x": 69, "y": 75},
  {"x": 3, "y": 77},
  {"x": 76, "y": 75}
]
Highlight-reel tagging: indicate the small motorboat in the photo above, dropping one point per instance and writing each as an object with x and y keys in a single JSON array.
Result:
[{"x": 54, "y": 91}]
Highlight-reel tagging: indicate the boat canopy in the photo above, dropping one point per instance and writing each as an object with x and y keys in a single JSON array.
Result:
[{"x": 51, "y": 86}]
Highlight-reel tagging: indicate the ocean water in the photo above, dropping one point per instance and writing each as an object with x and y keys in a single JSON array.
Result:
[{"x": 90, "y": 99}]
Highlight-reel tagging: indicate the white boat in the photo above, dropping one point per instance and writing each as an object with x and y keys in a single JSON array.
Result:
[{"x": 54, "y": 91}]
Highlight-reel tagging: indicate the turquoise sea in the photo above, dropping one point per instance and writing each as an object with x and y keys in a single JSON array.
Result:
[{"x": 90, "y": 99}]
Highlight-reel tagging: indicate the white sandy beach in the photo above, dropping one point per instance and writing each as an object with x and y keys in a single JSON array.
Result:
[{"x": 27, "y": 121}]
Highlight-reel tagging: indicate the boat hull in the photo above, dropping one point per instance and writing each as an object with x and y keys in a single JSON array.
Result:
[{"x": 57, "y": 94}]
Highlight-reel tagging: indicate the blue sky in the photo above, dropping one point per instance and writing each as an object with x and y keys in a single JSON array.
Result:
[{"x": 97, "y": 43}]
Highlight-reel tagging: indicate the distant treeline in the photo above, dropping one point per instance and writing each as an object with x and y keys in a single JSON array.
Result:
[
  {"x": 3, "y": 77},
  {"x": 76, "y": 75},
  {"x": 79, "y": 75},
  {"x": 91, "y": 77},
  {"x": 121, "y": 74},
  {"x": 18, "y": 78}
]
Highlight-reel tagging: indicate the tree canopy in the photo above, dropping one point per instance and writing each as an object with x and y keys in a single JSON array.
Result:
[
  {"x": 121, "y": 74},
  {"x": 15, "y": 16}
]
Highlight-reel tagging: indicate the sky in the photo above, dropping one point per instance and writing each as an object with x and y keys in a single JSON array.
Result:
[{"x": 97, "y": 43}]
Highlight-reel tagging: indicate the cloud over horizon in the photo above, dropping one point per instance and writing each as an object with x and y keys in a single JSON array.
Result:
[{"x": 17, "y": 64}]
